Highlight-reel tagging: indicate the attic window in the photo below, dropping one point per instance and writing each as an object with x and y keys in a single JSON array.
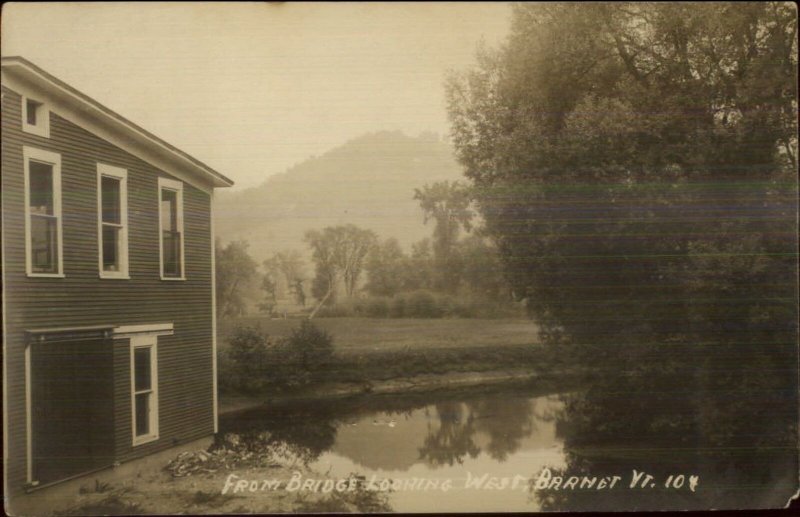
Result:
[
  {"x": 35, "y": 117},
  {"x": 32, "y": 108}
]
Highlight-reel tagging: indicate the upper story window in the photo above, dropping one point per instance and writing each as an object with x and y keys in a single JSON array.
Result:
[
  {"x": 43, "y": 242},
  {"x": 35, "y": 117},
  {"x": 112, "y": 221},
  {"x": 170, "y": 194}
]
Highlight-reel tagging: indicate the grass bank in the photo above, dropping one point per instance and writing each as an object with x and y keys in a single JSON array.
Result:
[
  {"x": 370, "y": 335},
  {"x": 402, "y": 355}
]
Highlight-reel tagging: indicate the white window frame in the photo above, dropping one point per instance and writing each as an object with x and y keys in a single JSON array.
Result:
[
  {"x": 54, "y": 159},
  {"x": 42, "y": 126},
  {"x": 151, "y": 342},
  {"x": 122, "y": 175},
  {"x": 176, "y": 186}
]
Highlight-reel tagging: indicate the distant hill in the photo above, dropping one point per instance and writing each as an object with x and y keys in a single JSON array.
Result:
[{"x": 368, "y": 181}]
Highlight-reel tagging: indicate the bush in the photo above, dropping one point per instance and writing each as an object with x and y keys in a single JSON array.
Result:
[
  {"x": 422, "y": 304},
  {"x": 398, "y": 307},
  {"x": 254, "y": 363},
  {"x": 310, "y": 347},
  {"x": 242, "y": 365},
  {"x": 339, "y": 310},
  {"x": 374, "y": 307}
]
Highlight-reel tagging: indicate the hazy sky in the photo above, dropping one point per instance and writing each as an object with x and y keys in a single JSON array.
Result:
[{"x": 253, "y": 88}]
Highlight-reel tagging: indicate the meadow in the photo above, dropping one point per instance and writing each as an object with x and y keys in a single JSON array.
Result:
[
  {"x": 378, "y": 349},
  {"x": 364, "y": 335}
]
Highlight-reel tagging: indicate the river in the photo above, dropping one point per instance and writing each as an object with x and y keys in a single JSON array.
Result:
[
  {"x": 425, "y": 441},
  {"x": 480, "y": 451}
]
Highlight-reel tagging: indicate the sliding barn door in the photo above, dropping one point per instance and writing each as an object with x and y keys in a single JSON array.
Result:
[{"x": 71, "y": 408}]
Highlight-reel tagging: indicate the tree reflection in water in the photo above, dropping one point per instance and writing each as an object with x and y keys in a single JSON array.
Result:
[
  {"x": 617, "y": 426},
  {"x": 505, "y": 421},
  {"x": 455, "y": 425},
  {"x": 301, "y": 432},
  {"x": 507, "y": 424},
  {"x": 452, "y": 440}
]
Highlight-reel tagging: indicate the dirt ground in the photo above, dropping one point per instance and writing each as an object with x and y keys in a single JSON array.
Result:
[{"x": 203, "y": 482}]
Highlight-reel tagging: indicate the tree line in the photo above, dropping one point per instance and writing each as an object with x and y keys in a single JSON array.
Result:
[{"x": 348, "y": 262}]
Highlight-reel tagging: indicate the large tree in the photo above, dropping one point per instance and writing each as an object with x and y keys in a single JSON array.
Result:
[
  {"x": 635, "y": 164},
  {"x": 387, "y": 268},
  {"x": 236, "y": 272},
  {"x": 289, "y": 265},
  {"x": 339, "y": 253},
  {"x": 448, "y": 205}
]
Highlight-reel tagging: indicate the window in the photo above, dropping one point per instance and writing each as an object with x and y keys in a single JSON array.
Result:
[
  {"x": 144, "y": 389},
  {"x": 170, "y": 195},
  {"x": 112, "y": 221},
  {"x": 43, "y": 244},
  {"x": 30, "y": 116},
  {"x": 35, "y": 117}
]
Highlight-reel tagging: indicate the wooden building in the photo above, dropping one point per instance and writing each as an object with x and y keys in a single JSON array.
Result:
[{"x": 108, "y": 275}]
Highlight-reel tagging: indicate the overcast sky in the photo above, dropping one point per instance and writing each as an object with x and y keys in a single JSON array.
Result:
[{"x": 253, "y": 88}]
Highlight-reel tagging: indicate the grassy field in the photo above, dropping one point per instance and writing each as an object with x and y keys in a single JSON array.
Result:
[
  {"x": 365, "y": 335},
  {"x": 372, "y": 350}
]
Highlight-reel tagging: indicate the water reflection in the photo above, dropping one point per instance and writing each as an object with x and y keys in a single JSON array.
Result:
[
  {"x": 305, "y": 433},
  {"x": 506, "y": 424},
  {"x": 437, "y": 433},
  {"x": 505, "y": 434},
  {"x": 615, "y": 427},
  {"x": 449, "y": 440}
]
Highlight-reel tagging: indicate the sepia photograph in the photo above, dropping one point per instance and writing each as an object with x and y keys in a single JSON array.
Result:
[{"x": 410, "y": 257}]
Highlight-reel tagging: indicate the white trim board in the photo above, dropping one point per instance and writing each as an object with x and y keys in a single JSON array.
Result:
[
  {"x": 156, "y": 329},
  {"x": 28, "y": 417},
  {"x": 28, "y": 80},
  {"x": 214, "y": 382}
]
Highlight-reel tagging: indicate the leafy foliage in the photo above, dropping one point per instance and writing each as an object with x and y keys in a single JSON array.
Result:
[
  {"x": 448, "y": 204},
  {"x": 423, "y": 303},
  {"x": 284, "y": 275},
  {"x": 339, "y": 253},
  {"x": 635, "y": 164},
  {"x": 235, "y": 273},
  {"x": 388, "y": 269},
  {"x": 253, "y": 362},
  {"x": 312, "y": 347}
]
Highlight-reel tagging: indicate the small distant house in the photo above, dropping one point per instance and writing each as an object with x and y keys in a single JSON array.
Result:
[{"x": 108, "y": 275}]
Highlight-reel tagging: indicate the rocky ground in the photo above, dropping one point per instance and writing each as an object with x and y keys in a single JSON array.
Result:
[{"x": 226, "y": 479}]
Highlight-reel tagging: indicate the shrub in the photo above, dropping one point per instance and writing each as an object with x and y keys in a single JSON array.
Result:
[
  {"x": 422, "y": 304},
  {"x": 310, "y": 347},
  {"x": 398, "y": 307},
  {"x": 243, "y": 363},
  {"x": 374, "y": 307},
  {"x": 339, "y": 310},
  {"x": 253, "y": 362}
]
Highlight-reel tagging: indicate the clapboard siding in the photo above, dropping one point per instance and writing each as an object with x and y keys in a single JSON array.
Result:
[{"x": 82, "y": 298}]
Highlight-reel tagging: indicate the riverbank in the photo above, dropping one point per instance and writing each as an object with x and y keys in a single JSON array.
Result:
[
  {"x": 388, "y": 356},
  {"x": 231, "y": 403}
]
